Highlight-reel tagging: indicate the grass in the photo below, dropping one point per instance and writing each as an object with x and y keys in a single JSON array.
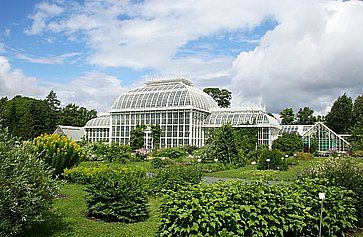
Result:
[
  {"x": 250, "y": 172},
  {"x": 67, "y": 218}
]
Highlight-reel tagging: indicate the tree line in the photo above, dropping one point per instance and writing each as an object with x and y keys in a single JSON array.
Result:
[
  {"x": 342, "y": 118},
  {"x": 28, "y": 117}
]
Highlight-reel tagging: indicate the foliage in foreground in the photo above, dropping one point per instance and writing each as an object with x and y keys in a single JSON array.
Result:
[
  {"x": 26, "y": 187},
  {"x": 174, "y": 178},
  {"x": 118, "y": 195},
  {"x": 59, "y": 152},
  {"x": 342, "y": 172},
  {"x": 255, "y": 209}
]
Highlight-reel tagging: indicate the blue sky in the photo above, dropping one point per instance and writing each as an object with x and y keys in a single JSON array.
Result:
[{"x": 262, "y": 52}]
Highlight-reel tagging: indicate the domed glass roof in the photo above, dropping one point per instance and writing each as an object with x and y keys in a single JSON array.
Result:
[
  {"x": 240, "y": 116},
  {"x": 101, "y": 122},
  {"x": 177, "y": 92}
]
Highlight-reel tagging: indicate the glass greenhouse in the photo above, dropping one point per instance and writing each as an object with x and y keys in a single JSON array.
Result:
[
  {"x": 319, "y": 135},
  {"x": 183, "y": 112}
]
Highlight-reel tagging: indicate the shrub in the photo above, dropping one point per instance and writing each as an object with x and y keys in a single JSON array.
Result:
[
  {"x": 304, "y": 156},
  {"x": 358, "y": 153},
  {"x": 237, "y": 208},
  {"x": 214, "y": 167},
  {"x": 172, "y": 152},
  {"x": 26, "y": 187},
  {"x": 175, "y": 177},
  {"x": 83, "y": 175},
  {"x": 288, "y": 143},
  {"x": 118, "y": 195},
  {"x": 94, "y": 151},
  {"x": 118, "y": 153},
  {"x": 190, "y": 149},
  {"x": 158, "y": 162},
  {"x": 342, "y": 172},
  {"x": 277, "y": 160},
  {"x": 58, "y": 152}
]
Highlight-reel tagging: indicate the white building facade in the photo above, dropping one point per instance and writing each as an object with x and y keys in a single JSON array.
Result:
[{"x": 183, "y": 112}]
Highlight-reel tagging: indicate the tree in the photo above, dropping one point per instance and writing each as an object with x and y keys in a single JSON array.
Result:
[
  {"x": 222, "y": 97},
  {"x": 226, "y": 149},
  {"x": 288, "y": 116},
  {"x": 357, "y": 113},
  {"x": 305, "y": 116},
  {"x": 73, "y": 115},
  {"x": 137, "y": 137},
  {"x": 54, "y": 106},
  {"x": 357, "y": 136},
  {"x": 288, "y": 143},
  {"x": 339, "y": 119},
  {"x": 3, "y": 102},
  {"x": 156, "y": 133}
]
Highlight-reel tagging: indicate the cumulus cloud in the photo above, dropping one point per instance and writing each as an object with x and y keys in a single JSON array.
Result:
[
  {"x": 14, "y": 82},
  {"x": 93, "y": 90},
  {"x": 149, "y": 34},
  {"x": 309, "y": 59}
]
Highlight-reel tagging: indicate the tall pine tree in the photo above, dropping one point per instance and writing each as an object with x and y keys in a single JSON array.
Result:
[{"x": 339, "y": 119}]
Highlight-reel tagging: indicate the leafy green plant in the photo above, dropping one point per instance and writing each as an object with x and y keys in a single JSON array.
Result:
[
  {"x": 289, "y": 143},
  {"x": 237, "y": 208},
  {"x": 59, "y": 152},
  {"x": 118, "y": 195},
  {"x": 342, "y": 172},
  {"x": 118, "y": 153},
  {"x": 271, "y": 159},
  {"x": 26, "y": 187},
  {"x": 175, "y": 177},
  {"x": 83, "y": 175},
  {"x": 158, "y": 162},
  {"x": 172, "y": 152}
]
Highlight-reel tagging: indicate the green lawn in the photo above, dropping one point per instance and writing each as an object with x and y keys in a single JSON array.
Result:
[
  {"x": 250, "y": 172},
  {"x": 68, "y": 219}
]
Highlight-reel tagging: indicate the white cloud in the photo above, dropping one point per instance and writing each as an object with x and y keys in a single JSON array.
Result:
[
  {"x": 14, "y": 82},
  {"x": 94, "y": 90},
  {"x": 44, "y": 10},
  {"x": 60, "y": 59},
  {"x": 312, "y": 57}
]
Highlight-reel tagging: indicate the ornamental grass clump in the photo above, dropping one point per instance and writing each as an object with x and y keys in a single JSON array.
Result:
[
  {"x": 236, "y": 208},
  {"x": 26, "y": 187},
  {"x": 118, "y": 195},
  {"x": 59, "y": 152}
]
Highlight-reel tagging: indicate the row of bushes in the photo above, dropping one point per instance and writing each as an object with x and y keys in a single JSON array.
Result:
[
  {"x": 255, "y": 209},
  {"x": 120, "y": 194}
]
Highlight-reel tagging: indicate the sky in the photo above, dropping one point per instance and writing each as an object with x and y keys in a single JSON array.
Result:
[{"x": 283, "y": 53}]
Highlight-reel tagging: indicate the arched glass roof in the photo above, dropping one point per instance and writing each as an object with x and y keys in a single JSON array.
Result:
[
  {"x": 164, "y": 93},
  {"x": 240, "y": 117},
  {"x": 100, "y": 122}
]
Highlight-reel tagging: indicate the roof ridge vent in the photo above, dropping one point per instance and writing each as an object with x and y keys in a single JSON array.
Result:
[{"x": 168, "y": 80}]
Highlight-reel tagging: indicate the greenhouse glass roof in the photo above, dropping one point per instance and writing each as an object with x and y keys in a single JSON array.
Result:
[
  {"x": 177, "y": 92},
  {"x": 101, "y": 122},
  {"x": 240, "y": 117}
]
